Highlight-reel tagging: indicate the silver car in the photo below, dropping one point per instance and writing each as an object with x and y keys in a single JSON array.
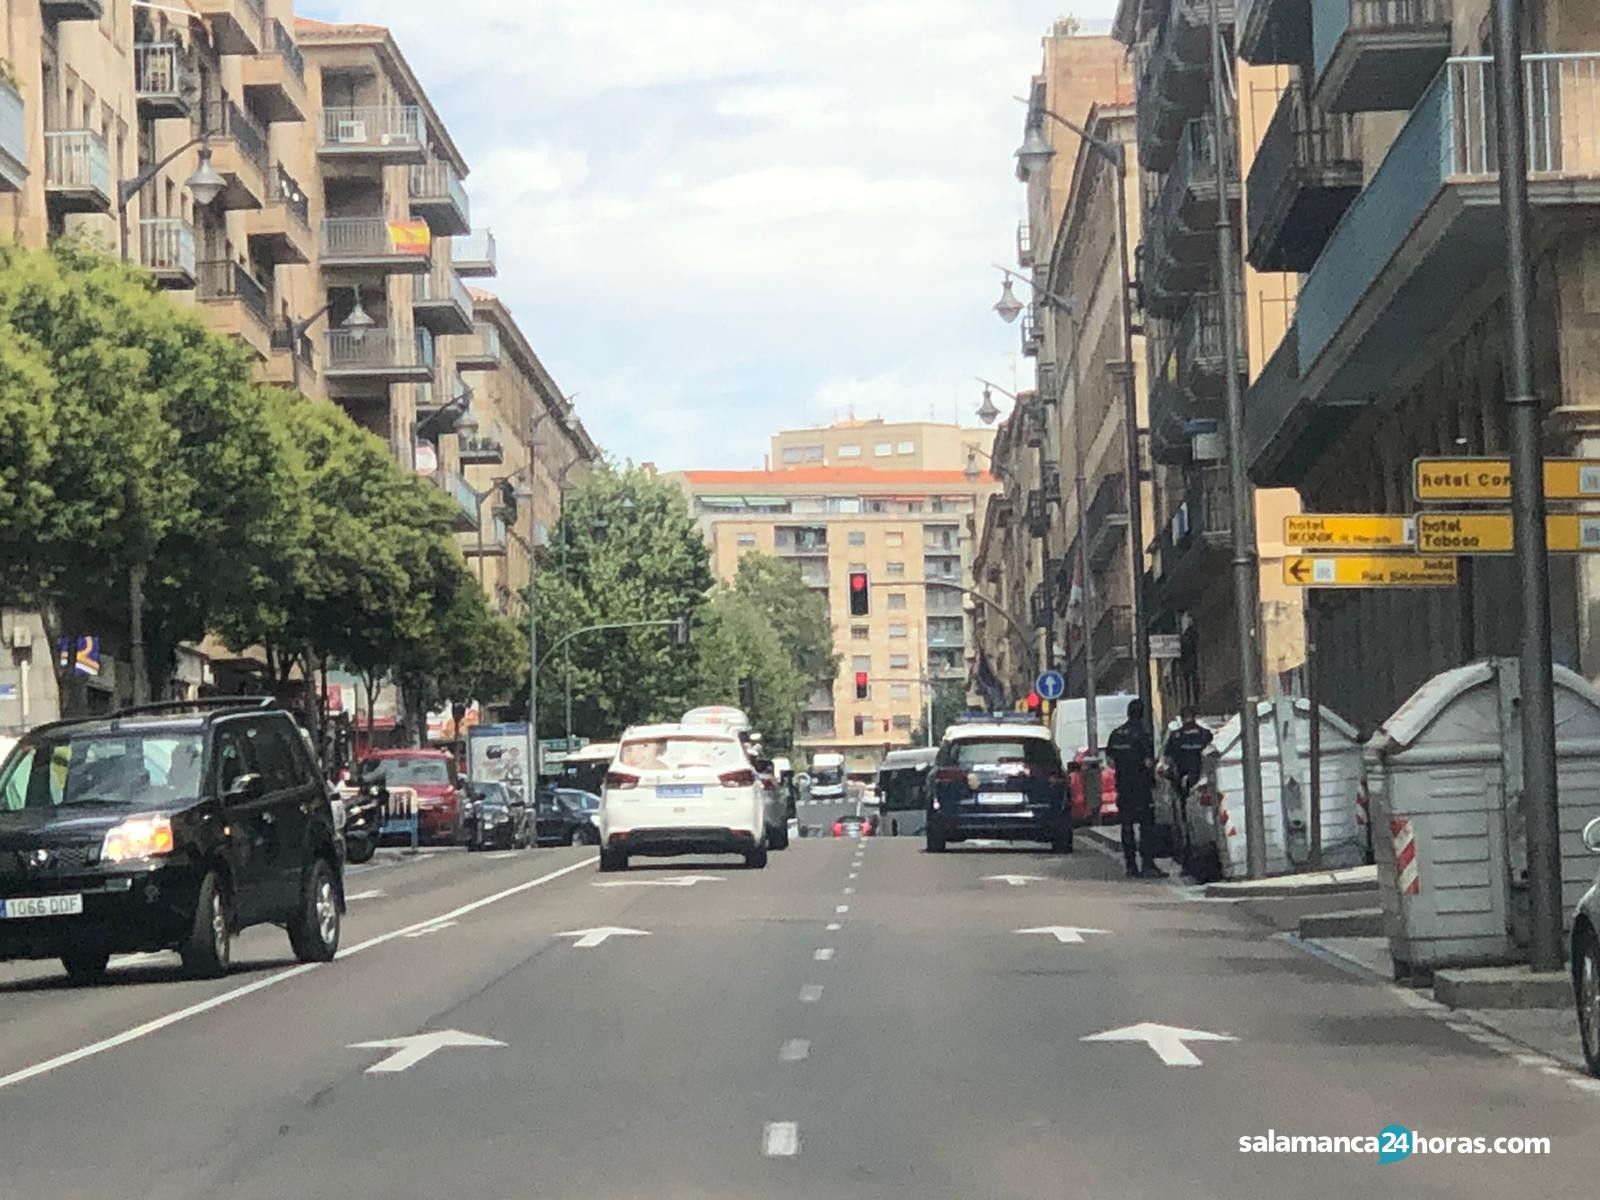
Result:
[{"x": 1586, "y": 959}]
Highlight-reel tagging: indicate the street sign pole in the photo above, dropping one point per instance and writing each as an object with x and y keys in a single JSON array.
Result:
[{"x": 1539, "y": 800}]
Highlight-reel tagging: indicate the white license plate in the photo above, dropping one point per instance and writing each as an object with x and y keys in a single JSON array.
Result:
[
  {"x": 41, "y": 906},
  {"x": 1011, "y": 799}
]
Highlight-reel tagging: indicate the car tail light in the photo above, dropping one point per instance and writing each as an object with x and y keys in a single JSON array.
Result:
[
  {"x": 737, "y": 779},
  {"x": 621, "y": 780},
  {"x": 950, "y": 775},
  {"x": 838, "y": 829}
]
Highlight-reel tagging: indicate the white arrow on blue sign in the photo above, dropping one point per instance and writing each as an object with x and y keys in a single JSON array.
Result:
[{"x": 1051, "y": 685}]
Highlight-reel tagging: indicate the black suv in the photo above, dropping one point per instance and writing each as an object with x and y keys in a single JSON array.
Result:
[{"x": 166, "y": 827}]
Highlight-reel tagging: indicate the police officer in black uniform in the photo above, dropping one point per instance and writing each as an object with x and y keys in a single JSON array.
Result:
[
  {"x": 1131, "y": 750},
  {"x": 1184, "y": 748}
]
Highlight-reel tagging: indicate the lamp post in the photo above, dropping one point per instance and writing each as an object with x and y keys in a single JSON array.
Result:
[
  {"x": 205, "y": 185},
  {"x": 562, "y": 411},
  {"x": 358, "y": 321},
  {"x": 1035, "y": 154},
  {"x": 453, "y": 417},
  {"x": 522, "y": 493}
]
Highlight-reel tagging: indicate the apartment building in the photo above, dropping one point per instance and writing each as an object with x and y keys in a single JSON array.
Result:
[
  {"x": 1378, "y": 182},
  {"x": 902, "y": 527},
  {"x": 1189, "y": 587},
  {"x": 876, "y": 443}
]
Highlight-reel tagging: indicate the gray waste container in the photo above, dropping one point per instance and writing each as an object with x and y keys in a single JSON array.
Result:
[{"x": 1444, "y": 780}]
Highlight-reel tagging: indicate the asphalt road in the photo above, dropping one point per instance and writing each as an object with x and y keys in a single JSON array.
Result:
[{"x": 861, "y": 1019}]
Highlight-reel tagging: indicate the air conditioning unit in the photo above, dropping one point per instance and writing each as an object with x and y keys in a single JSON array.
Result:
[{"x": 350, "y": 131}]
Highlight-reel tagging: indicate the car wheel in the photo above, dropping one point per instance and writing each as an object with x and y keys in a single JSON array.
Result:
[
  {"x": 778, "y": 839},
  {"x": 85, "y": 967},
  {"x": 613, "y": 860},
  {"x": 756, "y": 859},
  {"x": 314, "y": 928},
  {"x": 1586, "y": 988},
  {"x": 935, "y": 843},
  {"x": 361, "y": 850},
  {"x": 208, "y": 948}
]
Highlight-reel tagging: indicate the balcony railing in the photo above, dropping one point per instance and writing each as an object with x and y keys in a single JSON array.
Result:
[
  {"x": 481, "y": 450},
  {"x": 365, "y": 238},
  {"x": 1113, "y": 636},
  {"x": 437, "y": 194},
  {"x": 1202, "y": 355},
  {"x": 1107, "y": 520},
  {"x": 161, "y": 77},
  {"x": 225, "y": 119},
  {"x": 13, "y": 139},
  {"x": 473, "y": 253},
  {"x": 1274, "y": 31},
  {"x": 281, "y": 42},
  {"x": 442, "y": 284},
  {"x": 1306, "y": 172},
  {"x": 459, "y": 490},
  {"x": 283, "y": 339},
  {"x": 1032, "y": 331},
  {"x": 166, "y": 246},
  {"x": 1024, "y": 244},
  {"x": 398, "y": 127},
  {"x": 1176, "y": 81},
  {"x": 221, "y": 279},
  {"x": 376, "y": 350},
  {"x": 480, "y": 349},
  {"x": 76, "y": 161},
  {"x": 283, "y": 188},
  {"x": 1377, "y": 55}
]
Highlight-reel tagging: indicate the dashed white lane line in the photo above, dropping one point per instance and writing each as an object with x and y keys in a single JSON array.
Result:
[
  {"x": 855, "y": 874},
  {"x": 834, "y": 926},
  {"x": 841, "y": 908},
  {"x": 369, "y": 894},
  {"x": 498, "y": 855},
  {"x": 780, "y": 1139},
  {"x": 811, "y": 993},
  {"x": 794, "y": 1050},
  {"x": 824, "y": 955},
  {"x": 194, "y": 1010},
  {"x": 849, "y": 891}
]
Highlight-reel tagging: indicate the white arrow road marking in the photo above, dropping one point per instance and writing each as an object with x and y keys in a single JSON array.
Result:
[
  {"x": 841, "y": 908},
  {"x": 811, "y": 993},
  {"x": 824, "y": 955},
  {"x": 668, "y": 881},
  {"x": 436, "y": 927},
  {"x": 1166, "y": 1040},
  {"x": 794, "y": 1050},
  {"x": 1015, "y": 880},
  {"x": 1066, "y": 934},
  {"x": 588, "y": 939},
  {"x": 780, "y": 1139},
  {"x": 369, "y": 894},
  {"x": 409, "y": 1051},
  {"x": 834, "y": 926}
]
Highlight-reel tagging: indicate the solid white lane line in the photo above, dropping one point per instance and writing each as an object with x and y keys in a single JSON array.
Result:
[
  {"x": 834, "y": 926},
  {"x": 194, "y": 1010},
  {"x": 794, "y": 1050},
  {"x": 811, "y": 993},
  {"x": 437, "y": 927},
  {"x": 824, "y": 955},
  {"x": 499, "y": 854},
  {"x": 780, "y": 1139},
  {"x": 841, "y": 908}
]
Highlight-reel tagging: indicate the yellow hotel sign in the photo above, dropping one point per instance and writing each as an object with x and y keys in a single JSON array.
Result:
[
  {"x": 1368, "y": 570},
  {"x": 1490, "y": 533},
  {"x": 1350, "y": 531},
  {"x": 1490, "y": 479}
]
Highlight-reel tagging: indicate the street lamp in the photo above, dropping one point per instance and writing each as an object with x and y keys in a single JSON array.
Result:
[
  {"x": 521, "y": 494},
  {"x": 987, "y": 412},
  {"x": 562, "y": 411},
  {"x": 455, "y": 417},
  {"x": 204, "y": 184},
  {"x": 1008, "y": 306},
  {"x": 1035, "y": 152}
]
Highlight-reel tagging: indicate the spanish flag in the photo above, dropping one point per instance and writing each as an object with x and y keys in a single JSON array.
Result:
[{"x": 410, "y": 237}]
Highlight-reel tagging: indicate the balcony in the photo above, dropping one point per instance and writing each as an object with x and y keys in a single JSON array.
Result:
[
  {"x": 373, "y": 243},
  {"x": 1306, "y": 173},
  {"x": 290, "y": 358},
  {"x": 164, "y": 83},
  {"x": 1176, "y": 85},
  {"x": 1192, "y": 551},
  {"x": 1036, "y": 514},
  {"x": 1107, "y": 523},
  {"x": 383, "y": 135},
  {"x": 274, "y": 79},
  {"x": 13, "y": 139},
  {"x": 438, "y": 197},
  {"x": 440, "y": 302},
  {"x": 72, "y": 10},
  {"x": 281, "y": 231},
  {"x": 480, "y": 349},
  {"x": 1202, "y": 357},
  {"x": 238, "y": 152},
  {"x": 1274, "y": 31},
  {"x": 1181, "y": 235},
  {"x": 1113, "y": 639},
  {"x": 1169, "y": 407},
  {"x": 1024, "y": 245},
  {"x": 166, "y": 250},
  {"x": 1032, "y": 331},
  {"x": 77, "y": 171},
  {"x": 952, "y": 636},
  {"x": 235, "y": 303},
  {"x": 473, "y": 255},
  {"x": 492, "y": 543},
  {"x": 1377, "y": 55},
  {"x": 480, "y": 450},
  {"x": 374, "y": 356},
  {"x": 235, "y": 24},
  {"x": 1428, "y": 227},
  {"x": 459, "y": 490}
]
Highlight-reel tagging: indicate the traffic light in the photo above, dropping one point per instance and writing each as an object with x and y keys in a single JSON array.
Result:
[
  {"x": 860, "y": 593},
  {"x": 747, "y": 693},
  {"x": 861, "y": 685}
]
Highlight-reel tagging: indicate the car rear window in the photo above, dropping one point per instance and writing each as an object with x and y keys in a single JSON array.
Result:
[
  {"x": 406, "y": 772},
  {"x": 674, "y": 753},
  {"x": 1001, "y": 752}
]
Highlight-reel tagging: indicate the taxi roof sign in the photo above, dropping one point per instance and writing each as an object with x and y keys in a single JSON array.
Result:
[{"x": 1490, "y": 479}]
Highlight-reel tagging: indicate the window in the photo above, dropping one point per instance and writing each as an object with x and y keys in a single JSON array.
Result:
[
  {"x": 274, "y": 755},
  {"x": 907, "y": 448},
  {"x": 858, "y": 537},
  {"x": 746, "y": 540},
  {"x": 849, "y": 451},
  {"x": 898, "y": 631},
  {"x": 861, "y": 662},
  {"x": 859, "y": 633},
  {"x": 899, "y": 662},
  {"x": 894, "y": 537},
  {"x": 900, "y": 691},
  {"x": 883, "y": 450},
  {"x": 813, "y": 454},
  {"x": 897, "y": 600},
  {"x": 895, "y": 569},
  {"x": 861, "y": 726},
  {"x": 794, "y": 454},
  {"x": 902, "y": 723}
]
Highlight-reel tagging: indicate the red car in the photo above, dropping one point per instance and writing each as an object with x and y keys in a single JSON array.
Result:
[
  {"x": 855, "y": 825},
  {"x": 432, "y": 775},
  {"x": 1080, "y": 800}
]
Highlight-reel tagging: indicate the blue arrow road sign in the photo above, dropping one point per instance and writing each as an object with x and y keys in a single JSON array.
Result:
[{"x": 1051, "y": 685}]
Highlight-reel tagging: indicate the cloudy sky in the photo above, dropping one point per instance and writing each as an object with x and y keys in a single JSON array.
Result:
[{"x": 719, "y": 218}]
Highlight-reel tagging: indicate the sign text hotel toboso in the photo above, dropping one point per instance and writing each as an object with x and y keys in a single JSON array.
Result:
[{"x": 1438, "y": 536}]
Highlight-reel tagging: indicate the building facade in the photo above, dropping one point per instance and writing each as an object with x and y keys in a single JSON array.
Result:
[
  {"x": 904, "y": 528},
  {"x": 1380, "y": 177}
]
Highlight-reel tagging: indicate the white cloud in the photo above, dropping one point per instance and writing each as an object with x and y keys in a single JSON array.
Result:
[{"x": 718, "y": 218}]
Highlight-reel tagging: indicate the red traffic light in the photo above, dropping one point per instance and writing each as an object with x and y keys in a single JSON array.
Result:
[
  {"x": 858, "y": 582},
  {"x": 1033, "y": 701},
  {"x": 861, "y": 685},
  {"x": 860, "y": 602}
]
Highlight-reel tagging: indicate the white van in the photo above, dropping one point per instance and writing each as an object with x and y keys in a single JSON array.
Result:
[
  {"x": 827, "y": 776},
  {"x": 679, "y": 789},
  {"x": 1071, "y": 728}
]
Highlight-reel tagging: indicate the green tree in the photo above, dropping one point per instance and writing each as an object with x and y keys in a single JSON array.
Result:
[
  {"x": 737, "y": 640},
  {"x": 797, "y": 612}
]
